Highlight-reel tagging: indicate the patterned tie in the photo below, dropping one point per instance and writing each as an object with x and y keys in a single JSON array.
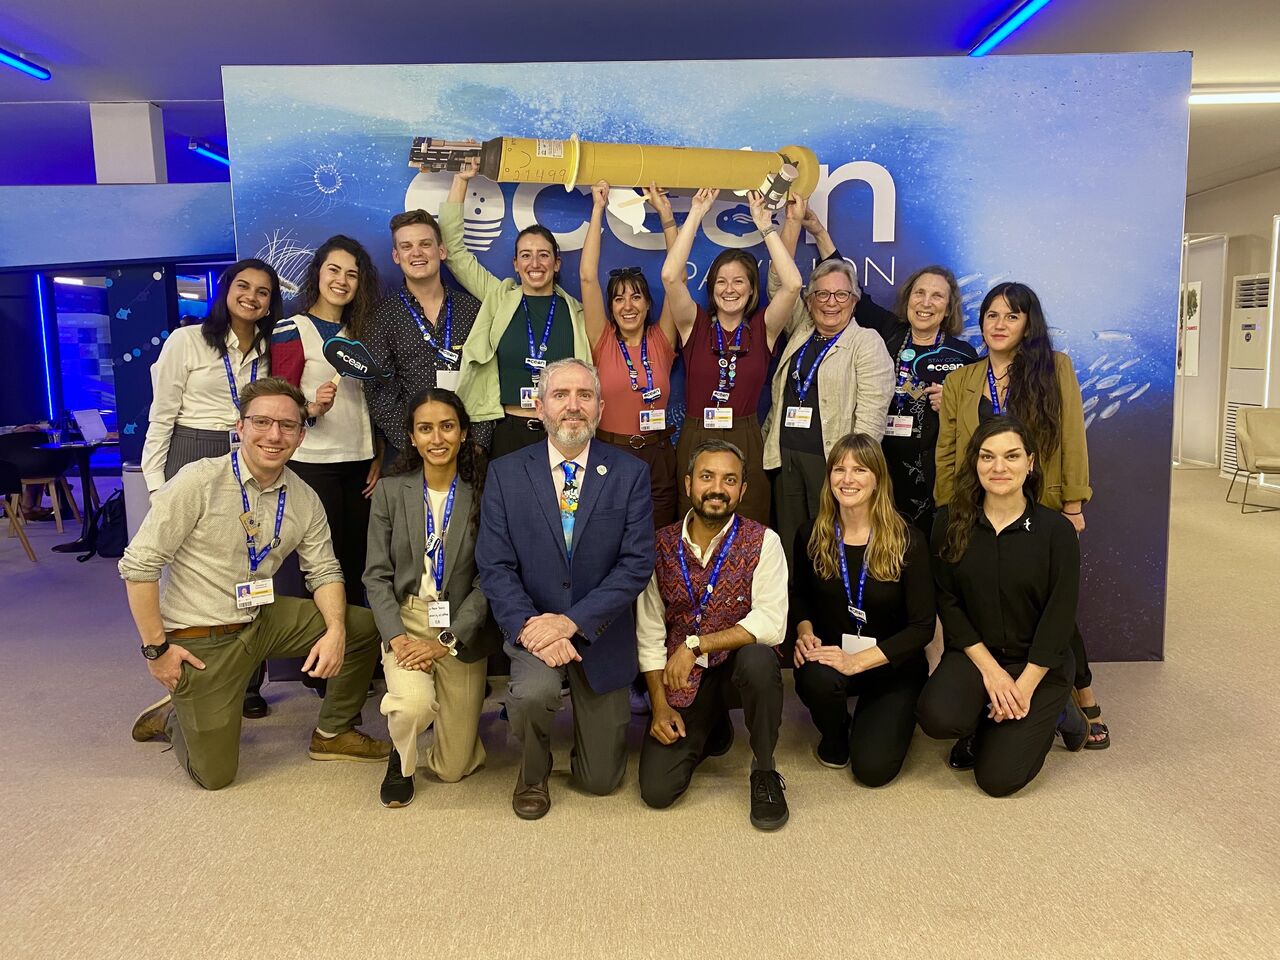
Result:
[{"x": 569, "y": 503}]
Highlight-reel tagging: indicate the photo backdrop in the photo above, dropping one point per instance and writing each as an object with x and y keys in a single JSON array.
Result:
[{"x": 1065, "y": 172}]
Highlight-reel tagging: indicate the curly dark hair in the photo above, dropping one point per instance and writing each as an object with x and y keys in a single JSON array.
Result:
[
  {"x": 218, "y": 322},
  {"x": 472, "y": 461},
  {"x": 1034, "y": 395},
  {"x": 966, "y": 501},
  {"x": 368, "y": 290}
]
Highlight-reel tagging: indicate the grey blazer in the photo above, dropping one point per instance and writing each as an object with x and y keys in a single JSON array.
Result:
[{"x": 397, "y": 557}]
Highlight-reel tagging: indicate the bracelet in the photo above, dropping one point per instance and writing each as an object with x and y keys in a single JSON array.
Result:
[
  {"x": 768, "y": 230},
  {"x": 1068, "y": 513},
  {"x": 668, "y": 224}
]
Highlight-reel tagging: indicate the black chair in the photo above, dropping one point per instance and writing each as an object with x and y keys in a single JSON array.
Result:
[{"x": 40, "y": 468}]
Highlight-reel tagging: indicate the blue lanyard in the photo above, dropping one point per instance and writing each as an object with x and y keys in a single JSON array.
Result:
[
  {"x": 651, "y": 393},
  {"x": 435, "y": 545},
  {"x": 257, "y": 556},
  {"x": 231, "y": 382},
  {"x": 537, "y": 352},
  {"x": 991, "y": 388},
  {"x": 804, "y": 383},
  {"x": 855, "y": 607},
  {"x": 906, "y": 354},
  {"x": 699, "y": 604},
  {"x": 446, "y": 352},
  {"x": 728, "y": 365}
]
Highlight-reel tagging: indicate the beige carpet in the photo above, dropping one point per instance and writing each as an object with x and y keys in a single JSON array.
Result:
[{"x": 1164, "y": 846}]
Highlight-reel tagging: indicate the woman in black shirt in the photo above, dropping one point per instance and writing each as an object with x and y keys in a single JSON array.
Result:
[
  {"x": 863, "y": 598},
  {"x": 1008, "y": 573}
]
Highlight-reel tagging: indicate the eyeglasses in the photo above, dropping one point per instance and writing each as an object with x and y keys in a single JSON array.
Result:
[
  {"x": 839, "y": 296},
  {"x": 625, "y": 272},
  {"x": 289, "y": 428}
]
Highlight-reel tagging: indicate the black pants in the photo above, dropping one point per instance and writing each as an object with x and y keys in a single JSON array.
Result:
[
  {"x": 1010, "y": 753},
  {"x": 512, "y": 433},
  {"x": 751, "y": 678},
  {"x": 339, "y": 486},
  {"x": 884, "y": 718},
  {"x": 795, "y": 495},
  {"x": 1084, "y": 676}
]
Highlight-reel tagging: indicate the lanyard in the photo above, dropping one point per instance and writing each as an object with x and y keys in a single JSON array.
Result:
[
  {"x": 699, "y": 604},
  {"x": 855, "y": 607},
  {"x": 537, "y": 352},
  {"x": 728, "y": 365},
  {"x": 649, "y": 390},
  {"x": 231, "y": 382},
  {"x": 991, "y": 388},
  {"x": 435, "y": 545},
  {"x": 446, "y": 352},
  {"x": 804, "y": 383},
  {"x": 257, "y": 556},
  {"x": 906, "y": 354}
]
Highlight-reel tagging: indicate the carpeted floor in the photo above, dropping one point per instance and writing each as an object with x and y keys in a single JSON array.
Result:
[{"x": 1164, "y": 846}]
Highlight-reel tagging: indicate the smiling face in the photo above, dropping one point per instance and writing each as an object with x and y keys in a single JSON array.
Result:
[
  {"x": 716, "y": 485},
  {"x": 249, "y": 298},
  {"x": 570, "y": 410},
  {"x": 1003, "y": 464},
  {"x": 267, "y": 449},
  {"x": 830, "y": 316},
  {"x": 629, "y": 308},
  {"x": 536, "y": 264},
  {"x": 339, "y": 279},
  {"x": 927, "y": 305},
  {"x": 1003, "y": 327},
  {"x": 731, "y": 289},
  {"x": 418, "y": 252},
  {"x": 852, "y": 484},
  {"x": 437, "y": 434}
]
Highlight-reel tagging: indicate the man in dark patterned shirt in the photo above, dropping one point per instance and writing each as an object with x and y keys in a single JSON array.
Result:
[{"x": 418, "y": 331}]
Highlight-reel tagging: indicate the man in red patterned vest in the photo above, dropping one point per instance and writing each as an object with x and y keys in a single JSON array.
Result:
[{"x": 708, "y": 628}]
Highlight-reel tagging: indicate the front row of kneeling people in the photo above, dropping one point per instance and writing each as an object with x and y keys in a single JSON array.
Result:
[{"x": 556, "y": 545}]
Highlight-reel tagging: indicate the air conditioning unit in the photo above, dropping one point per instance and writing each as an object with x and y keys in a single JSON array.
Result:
[{"x": 1246, "y": 356}]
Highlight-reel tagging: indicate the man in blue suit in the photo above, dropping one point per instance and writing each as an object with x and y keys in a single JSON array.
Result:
[{"x": 565, "y": 547}]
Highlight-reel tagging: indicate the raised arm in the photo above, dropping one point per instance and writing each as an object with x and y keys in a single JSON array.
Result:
[
  {"x": 658, "y": 200},
  {"x": 594, "y": 312},
  {"x": 778, "y": 315},
  {"x": 675, "y": 270},
  {"x": 797, "y": 212},
  {"x": 461, "y": 261}
]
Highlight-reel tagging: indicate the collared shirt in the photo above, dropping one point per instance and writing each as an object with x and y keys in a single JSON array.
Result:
[
  {"x": 766, "y": 620},
  {"x": 394, "y": 340},
  {"x": 194, "y": 528},
  {"x": 189, "y": 388},
  {"x": 557, "y": 472}
]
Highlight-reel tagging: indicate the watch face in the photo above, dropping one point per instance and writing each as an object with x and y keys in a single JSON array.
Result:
[
  {"x": 152, "y": 653},
  {"x": 446, "y": 637}
]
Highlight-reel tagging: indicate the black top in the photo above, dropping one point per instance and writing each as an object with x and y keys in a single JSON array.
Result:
[
  {"x": 396, "y": 343},
  {"x": 900, "y": 615},
  {"x": 513, "y": 346},
  {"x": 1014, "y": 591},
  {"x": 794, "y": 438}
]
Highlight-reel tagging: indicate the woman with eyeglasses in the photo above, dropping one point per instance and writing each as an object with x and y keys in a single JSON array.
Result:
[
  {"x": 633, "y": 353},
  {"x": 523, "y": 325},
  {"x": 728, "y": 345},
  {"x": 426, "y": 599}
]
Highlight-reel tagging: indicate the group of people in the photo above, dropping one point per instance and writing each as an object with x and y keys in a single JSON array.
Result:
[{"x": 855, "y": 475}]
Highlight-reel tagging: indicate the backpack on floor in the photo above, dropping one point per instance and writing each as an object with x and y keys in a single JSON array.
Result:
[{"x": 108, "y": 534}]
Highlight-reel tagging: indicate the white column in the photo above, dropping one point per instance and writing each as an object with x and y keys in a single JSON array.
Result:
[{"x": 128, "y": 143}]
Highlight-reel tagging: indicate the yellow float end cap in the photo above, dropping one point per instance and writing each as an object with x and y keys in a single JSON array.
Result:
[{"x": 806, "y": 161}]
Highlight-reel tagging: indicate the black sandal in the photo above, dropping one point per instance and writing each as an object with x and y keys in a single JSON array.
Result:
[{"x": 1097, "y": 727}]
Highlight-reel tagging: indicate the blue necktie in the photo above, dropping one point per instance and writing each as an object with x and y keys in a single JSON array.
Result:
[{"x": 569, "y": 503}]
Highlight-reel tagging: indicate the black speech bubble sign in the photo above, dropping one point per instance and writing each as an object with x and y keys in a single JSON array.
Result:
[
  {"x": 351, "y": 358},
  {"x": 933, "y": 365}
]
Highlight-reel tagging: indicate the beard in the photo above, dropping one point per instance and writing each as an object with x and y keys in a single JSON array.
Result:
[
  {"x": 570, "y": 435},
  {"x": 724, "y": 509}
]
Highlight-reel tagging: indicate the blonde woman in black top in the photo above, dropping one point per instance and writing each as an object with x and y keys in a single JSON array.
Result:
[
  {"x": 1008, "y": 574},
  {"x": 863, "y": 597}
]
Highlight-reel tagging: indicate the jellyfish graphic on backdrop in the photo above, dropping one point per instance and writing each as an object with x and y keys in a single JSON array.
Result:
[
  {"x": 289, "y": 256},
  {"x": 322, "y": 184}
]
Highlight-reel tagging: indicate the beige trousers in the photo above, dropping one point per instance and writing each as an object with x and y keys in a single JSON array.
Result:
[{"x": 451, "y": 696}]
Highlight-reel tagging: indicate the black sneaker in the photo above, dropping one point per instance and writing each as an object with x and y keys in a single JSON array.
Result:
[
  {"x": 397, "y": 789},
  {"x": 832, "y": 753},
  {"x": 768, "y": 805},
  {"x": 964, "y": 754}
]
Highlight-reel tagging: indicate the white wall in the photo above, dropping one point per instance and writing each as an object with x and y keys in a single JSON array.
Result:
[{"x": 1243, "y": 211}]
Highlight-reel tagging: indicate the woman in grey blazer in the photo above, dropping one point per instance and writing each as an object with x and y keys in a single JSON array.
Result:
[{"x": 426, "y": 599}]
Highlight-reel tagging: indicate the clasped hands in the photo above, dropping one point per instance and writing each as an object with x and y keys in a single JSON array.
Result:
[
  {"x": 414, "y": 654},
  {"x": 1010, "y": 698},
  {"x": 549, "y": 637},
  {"x": 809, "y": 649}
]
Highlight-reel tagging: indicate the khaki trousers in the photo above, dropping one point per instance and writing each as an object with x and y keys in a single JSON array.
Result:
[{"x": 451, "y": 696}]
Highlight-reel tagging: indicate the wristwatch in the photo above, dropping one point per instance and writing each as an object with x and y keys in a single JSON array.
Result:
[
  {"x": 155, "y": 652},
  {"x": 449, "y": 639},
  {"x": 695, "y": 644}
]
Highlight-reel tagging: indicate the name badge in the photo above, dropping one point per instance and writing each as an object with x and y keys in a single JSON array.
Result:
[
  {"x": 799, "y": 418},
  {"x": 526, "y": 397},
  {"x": 535, "y": 363},
  {"x": 234, "y": 439},
  {"x": 254, "y": 593},
  {"x": 251, "y": 526},
  {"x": 649, "y": 396},
  {"x": 899, "y": 426},
  {"x": 449, "y": 355},
  {"x": 717, "y": 418},
  {"x": 448, "y": 379},
  {"x": 438, "y": 614},
  {"x": 651, "y": 420},
  {"x": 852, "y": 643},
  {"x": 703, "y": 661}
]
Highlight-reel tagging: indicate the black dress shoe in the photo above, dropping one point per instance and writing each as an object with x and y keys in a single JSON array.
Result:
[
  {"x": 397, "y": 789},
  {"x": 964, "y": 754},
  {"x": 768, "y": 804},
  {"x": 255, "y": 705}
]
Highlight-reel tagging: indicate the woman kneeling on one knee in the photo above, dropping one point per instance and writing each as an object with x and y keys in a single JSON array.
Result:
[
  {"x": 863, "y": 597},
  {"x": 421, "y": 579},
  {"x": 1008, "y": 574}
]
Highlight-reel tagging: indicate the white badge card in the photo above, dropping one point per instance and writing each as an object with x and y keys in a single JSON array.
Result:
[
  {"x": 651, "y": 420},
  {"x": 234, "y": 438},
  {"x": 899, "y": 426},
  {"x": 799, "y": 418},
  {"x": 438, "y": 614},
  {"x": 448, "y": 380},
  {"x": 526, "y": 397},
  {"x": 703, "y": 661},
  {"x": 717, "y": 418},
  {"x": 254, "y": 593},
  {"x": 852, "y": 643}
]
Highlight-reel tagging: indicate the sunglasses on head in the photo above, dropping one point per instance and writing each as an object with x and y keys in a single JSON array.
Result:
[{"x": 625, "y": 272}]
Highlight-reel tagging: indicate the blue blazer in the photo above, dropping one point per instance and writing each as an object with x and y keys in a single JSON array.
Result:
[{"x": 524, "y": 569}]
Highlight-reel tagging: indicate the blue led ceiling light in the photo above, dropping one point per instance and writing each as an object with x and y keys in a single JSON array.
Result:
[
  {"x": 207, "y": 151},
  {"x": 1008, "y": 26},
  {"x": 23, "y": 65}
]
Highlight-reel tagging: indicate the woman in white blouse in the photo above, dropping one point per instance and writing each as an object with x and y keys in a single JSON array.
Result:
[{"x": 201, "y": 369}]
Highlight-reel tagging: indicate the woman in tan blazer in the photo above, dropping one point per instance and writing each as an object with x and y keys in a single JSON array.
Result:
[{"x": 1023, "y": 376}]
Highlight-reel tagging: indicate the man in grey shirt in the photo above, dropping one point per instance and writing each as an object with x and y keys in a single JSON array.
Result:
[{"x": 223, "y": 526}]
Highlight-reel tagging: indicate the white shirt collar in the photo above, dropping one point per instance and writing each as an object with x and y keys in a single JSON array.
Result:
[
  {"x": 712, "y": 547},
  {"x": 556, "y": 457}
]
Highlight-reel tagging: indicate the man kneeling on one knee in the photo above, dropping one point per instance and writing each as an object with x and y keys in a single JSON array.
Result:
[
  {"x": 708, "y": 629},
  {"x": 223, "y": 526}
]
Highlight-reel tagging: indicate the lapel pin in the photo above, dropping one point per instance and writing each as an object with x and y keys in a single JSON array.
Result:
[{"x": 602, "y": 469}]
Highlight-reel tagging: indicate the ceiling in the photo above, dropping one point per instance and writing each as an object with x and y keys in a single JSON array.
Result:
[{"x": 171, "y": 53}]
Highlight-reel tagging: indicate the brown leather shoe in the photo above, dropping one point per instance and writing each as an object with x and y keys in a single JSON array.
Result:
[
  {"x": 152, "y": 721},
  {"x": 352, "y": 745},
  {"x": 531, "y": 801}
]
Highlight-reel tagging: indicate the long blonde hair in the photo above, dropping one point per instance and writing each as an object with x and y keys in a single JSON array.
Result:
[{"x": 887, "y": 548}]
